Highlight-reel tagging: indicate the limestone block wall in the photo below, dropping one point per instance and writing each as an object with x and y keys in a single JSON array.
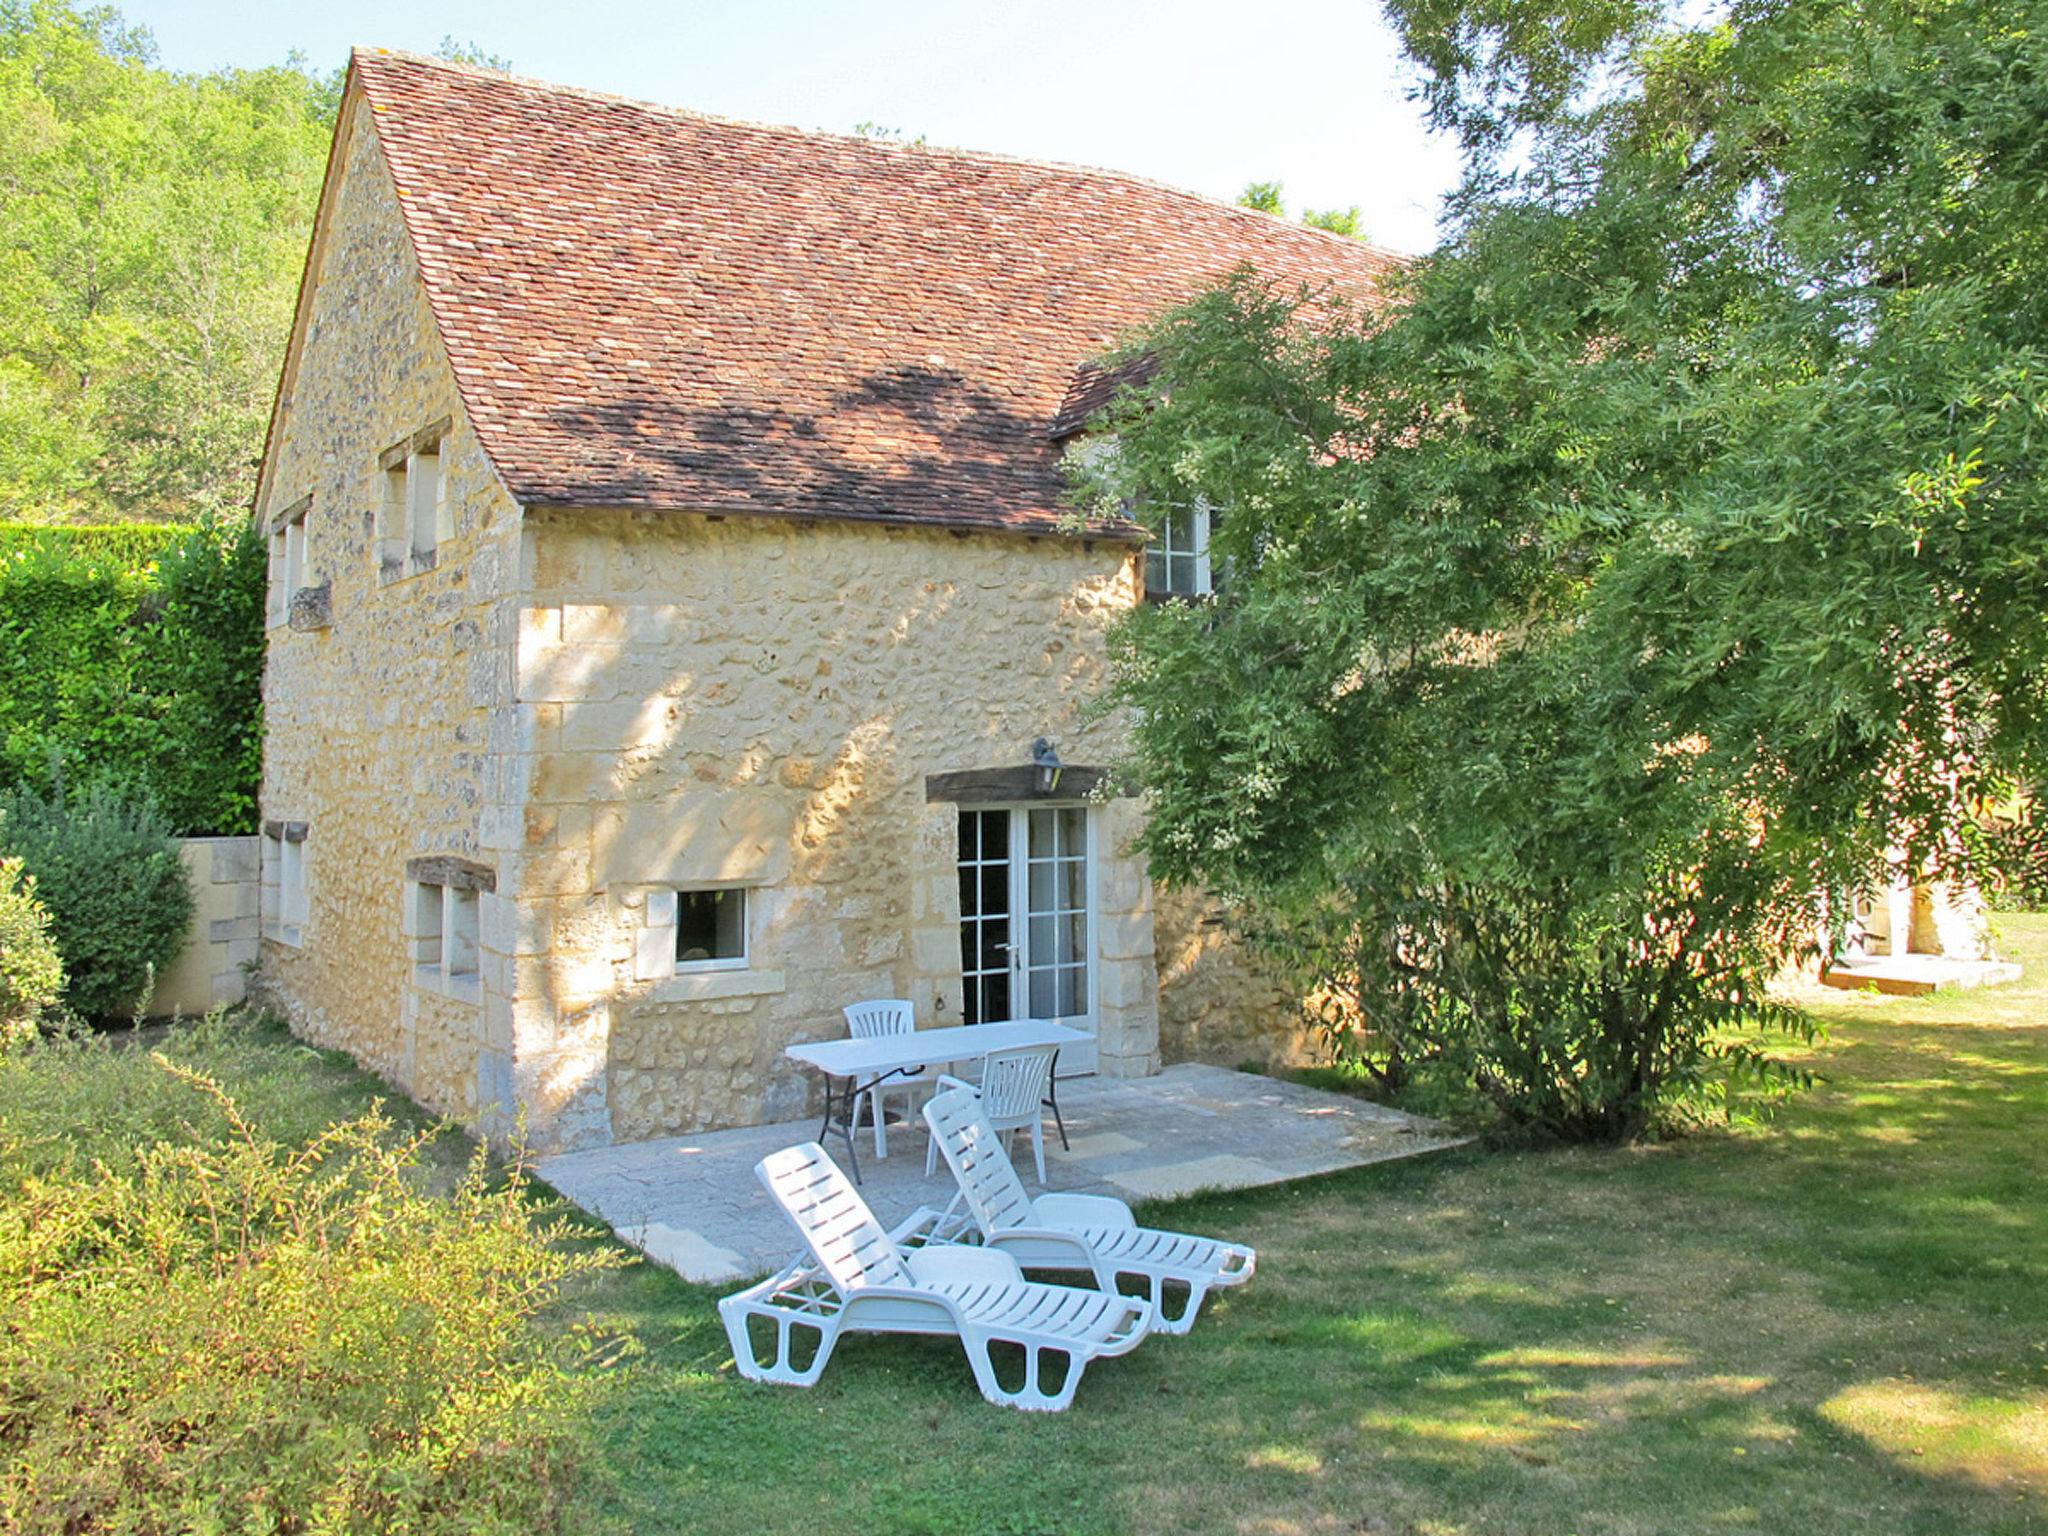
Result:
[
  {"x": 1217, "y": 1003},
  {"x": 756, "y": 703},
  {"x": 223, "y": 938},
  {"x": 380, "y": 725}
]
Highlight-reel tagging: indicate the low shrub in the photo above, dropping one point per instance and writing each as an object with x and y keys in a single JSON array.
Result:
[
  {"x": 222, "y": 1331},
  {"x": 31, "y": 972},
  {"x": 107, "y": 869}
]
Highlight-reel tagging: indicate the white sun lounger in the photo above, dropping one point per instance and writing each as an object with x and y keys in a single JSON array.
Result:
[
  {"x": 1085, "y": 1232},
  {"x": 859, "y": 1280}
]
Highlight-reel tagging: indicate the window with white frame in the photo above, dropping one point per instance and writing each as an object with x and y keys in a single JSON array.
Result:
[
  {"x": 283, "y": 885},
  {"x": 1177, "y": 559},
  {"x": 700, "y": 928},
  {"x": 444, "y": 935},
  {"x": 287, "y": 559},
  {"x": 415, "y": 517}
]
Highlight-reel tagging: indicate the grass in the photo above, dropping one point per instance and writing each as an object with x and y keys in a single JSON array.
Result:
[{"x": 1834, "y": 1321}]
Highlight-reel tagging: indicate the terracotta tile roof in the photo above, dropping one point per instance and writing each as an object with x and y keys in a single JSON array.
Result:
[
  {"x": 647, "y": 307},
  {"x": 1093, "y": 386}
]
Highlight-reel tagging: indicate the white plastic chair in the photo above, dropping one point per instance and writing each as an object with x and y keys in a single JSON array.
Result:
[
  {"x": 858, "y": 1280},
  {"x": 1091, "y": 1232},
  {"x": 868, "y": 1021},
  {"x": 1012, "y": 1095}
]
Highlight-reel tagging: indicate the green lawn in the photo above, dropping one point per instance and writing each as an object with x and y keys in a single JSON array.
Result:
[{"x": 1837, "y": 1322}]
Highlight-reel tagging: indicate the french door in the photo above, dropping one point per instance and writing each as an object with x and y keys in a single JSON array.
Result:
[{"x": 1027, "y": 919}]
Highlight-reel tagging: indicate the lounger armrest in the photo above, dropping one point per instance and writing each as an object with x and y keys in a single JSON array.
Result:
[
  {"x": 1052, "y": 1248},
  {"x": 895, "y": 1300},
  {"x": 952, "y": 1264},
  {"x": 947, "y": 1080},
  {"x": 1064, "y": 1210}
]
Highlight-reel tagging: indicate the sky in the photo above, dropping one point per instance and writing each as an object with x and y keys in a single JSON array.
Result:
[{"x": 1203, "y": 94}]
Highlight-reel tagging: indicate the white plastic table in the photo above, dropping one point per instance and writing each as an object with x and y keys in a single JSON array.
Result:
[{"x": 851, "y": 1067}]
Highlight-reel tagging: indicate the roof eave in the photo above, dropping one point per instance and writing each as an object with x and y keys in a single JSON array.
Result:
[{"x": 1118, "y": 531}]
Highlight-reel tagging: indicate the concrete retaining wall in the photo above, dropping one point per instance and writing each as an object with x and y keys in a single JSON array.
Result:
[{"x": 224, "y": 933}]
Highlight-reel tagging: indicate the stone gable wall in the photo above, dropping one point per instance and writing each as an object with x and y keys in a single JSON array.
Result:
[
  {"x": 759, "y": 701},
  {"x": 380, "y": 724}
]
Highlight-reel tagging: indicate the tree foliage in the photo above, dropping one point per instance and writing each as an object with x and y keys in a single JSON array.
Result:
[
  {"x": 152, "y": 230},
  {"x": 1672, "y": 548}
]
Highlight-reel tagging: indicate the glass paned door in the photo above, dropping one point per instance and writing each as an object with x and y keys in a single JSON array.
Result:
[
  {"x": 985, "y": 914},
  {"x": 1027, "y": 919}
]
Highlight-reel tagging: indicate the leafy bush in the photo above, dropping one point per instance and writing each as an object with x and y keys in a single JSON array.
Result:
[
  {"x": 219, "y": 1330},
  {"x": 108, "y": 871},
  {"x": 134, "y": 655},
  {"x": 31, "y": 972}
]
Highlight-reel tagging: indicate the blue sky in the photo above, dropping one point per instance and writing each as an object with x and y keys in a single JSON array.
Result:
[{"x": 1202, "y": 94}]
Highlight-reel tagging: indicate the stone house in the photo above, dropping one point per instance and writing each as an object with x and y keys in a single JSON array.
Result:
[{"x": 672, "y": 605}]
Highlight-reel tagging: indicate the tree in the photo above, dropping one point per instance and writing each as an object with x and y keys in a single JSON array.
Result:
[
  {"x": 153, "y": 227},
  {"x": 1671, "y": 550},
  {"x": 1265, "y": 197}
]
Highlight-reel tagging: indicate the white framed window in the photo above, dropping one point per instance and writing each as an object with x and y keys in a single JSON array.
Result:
[
  {"x": 694, "y": 928},
  {"x": 442, "y": 934},
  {"x": 1177, "y": 559},
  {"x": 282, "y": 894},
  {"x": 414, "y": 517},
  {"x": 287, "y": 560}
]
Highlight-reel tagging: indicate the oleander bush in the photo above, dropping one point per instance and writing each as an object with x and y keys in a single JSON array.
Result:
[
  {"x": 219, "y": 1320},
  {"x": 107, "y": 870},
  {"x": 31, "y": 971}
]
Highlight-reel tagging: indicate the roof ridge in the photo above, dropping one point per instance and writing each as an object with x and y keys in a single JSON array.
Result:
[{"x": 882, "y": 146}]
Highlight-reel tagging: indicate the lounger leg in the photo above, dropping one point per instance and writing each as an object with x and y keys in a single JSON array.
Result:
[
  {"x": 1186, "y": 1318},
  {"x": 748, "y": 1362},
  {"x": 1030, "y": 1397}
]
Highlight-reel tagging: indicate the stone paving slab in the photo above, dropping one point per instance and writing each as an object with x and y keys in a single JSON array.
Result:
[{"x": 692, "y": 1203}]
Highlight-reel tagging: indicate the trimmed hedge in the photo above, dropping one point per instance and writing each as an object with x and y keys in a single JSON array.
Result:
[{"x": 133, "y": 655}]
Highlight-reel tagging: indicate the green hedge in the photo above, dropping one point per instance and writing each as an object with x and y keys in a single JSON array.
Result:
[{"x": 133, "y": 655}]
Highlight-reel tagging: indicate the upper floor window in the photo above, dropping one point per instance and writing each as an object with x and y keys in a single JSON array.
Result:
[
  {"x": 1177, "y": 560},
  {"x": 287, "y": 558},
  {"x": 415, "y": 517}
]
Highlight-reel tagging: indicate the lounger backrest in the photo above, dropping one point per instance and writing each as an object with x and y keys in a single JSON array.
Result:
[
  {"x": 980, "y": 1166},
  {"x": 829, "y": 1214}
]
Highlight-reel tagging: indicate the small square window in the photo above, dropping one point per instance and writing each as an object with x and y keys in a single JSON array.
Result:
[{"x": 711, "y": 928}]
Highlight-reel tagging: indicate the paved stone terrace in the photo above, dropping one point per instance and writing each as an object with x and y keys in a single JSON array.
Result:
[{"x": 692, "y": 1202}]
